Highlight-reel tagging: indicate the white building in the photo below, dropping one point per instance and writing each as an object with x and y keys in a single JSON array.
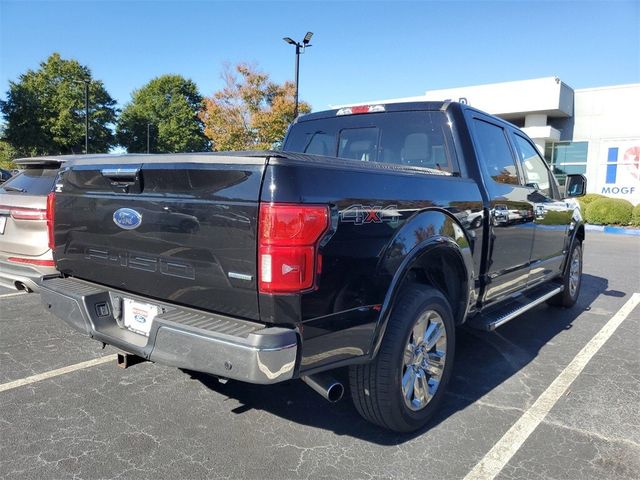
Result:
[{"x": 594, "y": 131}]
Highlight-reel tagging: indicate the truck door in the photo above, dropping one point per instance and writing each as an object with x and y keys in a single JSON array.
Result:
[
  {"x": 551, "y": 215},
  {"x": 511, "y": 227}
]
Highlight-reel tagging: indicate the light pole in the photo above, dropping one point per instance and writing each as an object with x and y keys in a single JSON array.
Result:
[
  {"x": 148, "y": 125},
  {"x": 299, "y": 50},
  {"x": 86, "y": 82}
]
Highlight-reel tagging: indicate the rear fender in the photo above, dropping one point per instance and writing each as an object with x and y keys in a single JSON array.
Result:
[{"x": 421, "y": 235}]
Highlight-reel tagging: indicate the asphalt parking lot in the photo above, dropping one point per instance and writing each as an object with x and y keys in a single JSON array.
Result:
[{"x": 151, "y": 421}]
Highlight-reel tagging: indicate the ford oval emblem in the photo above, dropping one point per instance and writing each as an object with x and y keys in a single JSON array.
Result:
[{"x": 127, "y": 218}]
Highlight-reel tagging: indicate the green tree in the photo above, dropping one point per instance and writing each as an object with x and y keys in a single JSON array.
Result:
[
  {"x": 250, "y": 112},
  {"x": 7, "y": 155},
  {"x": 168, "y": 107},
  {"x": 44, "y": 110}
]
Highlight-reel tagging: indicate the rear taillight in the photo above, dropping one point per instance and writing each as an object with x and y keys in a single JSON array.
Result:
[
  {"x": 20, "y": 213},
  {"x": 50, "y": 215},
  {"x": 288, "y": 237}
]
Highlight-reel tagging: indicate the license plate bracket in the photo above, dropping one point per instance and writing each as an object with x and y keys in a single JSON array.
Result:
[{"x": 138, "y": 316}]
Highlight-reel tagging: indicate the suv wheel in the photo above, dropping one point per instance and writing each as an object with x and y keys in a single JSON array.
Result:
[
  {"x": 403, "y": 386},
  {"x": 572, "y": 279}
]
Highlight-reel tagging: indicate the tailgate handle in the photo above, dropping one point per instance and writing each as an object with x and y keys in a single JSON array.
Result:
[
  {"x": 121, "y": 174},
  {"x": 124, "y": 180}
]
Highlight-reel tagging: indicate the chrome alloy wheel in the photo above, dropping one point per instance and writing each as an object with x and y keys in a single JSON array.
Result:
[
  {"x": 424, "y": 358},
  {"x": 574, "y": 272}
]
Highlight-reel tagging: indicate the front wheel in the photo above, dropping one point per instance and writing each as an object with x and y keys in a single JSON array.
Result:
[
  {"x": 572, "y": 280},
  {"x": 403, "y": 386}
]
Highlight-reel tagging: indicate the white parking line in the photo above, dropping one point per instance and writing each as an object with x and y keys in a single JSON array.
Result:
[
  {"x": 54, "y": 373},
  {"x": 510, "y": 443},
  {"x": 15, "y": 294}
]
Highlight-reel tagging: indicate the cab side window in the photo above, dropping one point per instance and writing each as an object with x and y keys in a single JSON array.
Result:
[
  {"x": 535, "y": 171},
  {"x": 497, "y": 158}
]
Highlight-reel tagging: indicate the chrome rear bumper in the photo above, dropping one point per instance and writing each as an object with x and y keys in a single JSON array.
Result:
[{"x": 179, "y": 336}]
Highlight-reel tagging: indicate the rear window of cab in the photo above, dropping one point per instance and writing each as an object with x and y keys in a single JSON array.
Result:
[
  {"x": 416, "y": 138},
  {"x": 32, "y": 181}
]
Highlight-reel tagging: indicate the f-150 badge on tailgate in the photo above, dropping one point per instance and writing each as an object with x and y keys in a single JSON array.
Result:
[{"x": 127, "y": 218}]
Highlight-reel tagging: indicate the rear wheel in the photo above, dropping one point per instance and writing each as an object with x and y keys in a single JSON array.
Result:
[
  {"x": 404, "y": 385},
  {"x": 572, "y": 280}
]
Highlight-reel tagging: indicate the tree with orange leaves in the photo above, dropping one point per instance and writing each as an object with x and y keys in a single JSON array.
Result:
[{"x": 250, "y": 112}]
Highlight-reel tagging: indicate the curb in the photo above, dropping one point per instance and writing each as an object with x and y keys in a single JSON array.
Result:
[{"x": 613, "y": 230}]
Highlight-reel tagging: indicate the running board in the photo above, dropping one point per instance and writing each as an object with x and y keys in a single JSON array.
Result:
[{"x": 492, "y": 319}]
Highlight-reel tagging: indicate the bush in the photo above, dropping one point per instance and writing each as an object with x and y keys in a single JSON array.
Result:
[
  {"x": 635, "y": 216},
  {"x": 587, "y": 199},
  {"x": 608, "y": 211},
  {"x": 555, "y": 218}
]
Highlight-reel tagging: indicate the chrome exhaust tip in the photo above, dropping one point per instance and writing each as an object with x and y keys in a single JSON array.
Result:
[
  {"x": 22, "y": 287},
  {"x": 327, "y": 386}
]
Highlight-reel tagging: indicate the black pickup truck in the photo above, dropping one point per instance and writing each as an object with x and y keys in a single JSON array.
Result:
[{"x": 363, "y": 244}]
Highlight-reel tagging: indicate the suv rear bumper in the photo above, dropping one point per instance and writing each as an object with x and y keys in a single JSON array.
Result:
[
  {"x": 179, "y": 336},
  {"x": 13, "y": 274}
]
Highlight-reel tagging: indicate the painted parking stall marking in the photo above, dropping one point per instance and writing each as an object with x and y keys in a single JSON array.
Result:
[
  {"x": 55, "y": 373},
  {"x": 495, "y": 460},
  {"x": 14, "y": 294}
]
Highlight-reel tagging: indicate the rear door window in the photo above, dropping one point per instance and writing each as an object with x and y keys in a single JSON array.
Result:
[
  {"x": 33, "y": 181},
  {"x": 495, "y": 152}
]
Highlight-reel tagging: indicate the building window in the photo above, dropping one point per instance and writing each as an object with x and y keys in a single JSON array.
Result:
[{"x": 566, "y": 158}]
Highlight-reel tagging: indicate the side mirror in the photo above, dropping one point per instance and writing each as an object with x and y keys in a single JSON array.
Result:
[{"x": 576, "y": 185}]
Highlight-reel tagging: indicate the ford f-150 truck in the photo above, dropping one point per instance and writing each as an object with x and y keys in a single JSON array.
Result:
[{"x": 363, "y": 244}]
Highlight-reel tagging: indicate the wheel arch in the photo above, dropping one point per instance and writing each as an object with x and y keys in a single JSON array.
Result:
[
  {"x": 580, "y": 232},
  {"x": 578, "y": 235},
  {"x": 432, "y": 248}
]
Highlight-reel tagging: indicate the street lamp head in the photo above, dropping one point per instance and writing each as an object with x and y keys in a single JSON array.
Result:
[
  {"x": 307, "y": 38},
  {"x": 300, "y": 48}
]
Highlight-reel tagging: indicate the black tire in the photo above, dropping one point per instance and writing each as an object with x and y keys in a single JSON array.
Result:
[
  {"x": 376, "y": 387},
  {"x": 569, "y": 296}
]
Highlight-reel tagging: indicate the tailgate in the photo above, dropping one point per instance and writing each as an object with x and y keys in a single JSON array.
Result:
[{"x": 177, "y": 228}]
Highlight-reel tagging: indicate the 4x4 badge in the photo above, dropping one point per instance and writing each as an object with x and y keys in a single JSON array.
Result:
[{"x": 363, "y": 214}]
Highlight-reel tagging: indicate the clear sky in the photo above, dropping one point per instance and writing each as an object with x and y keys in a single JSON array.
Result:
[{"x": 361, "y": 50}]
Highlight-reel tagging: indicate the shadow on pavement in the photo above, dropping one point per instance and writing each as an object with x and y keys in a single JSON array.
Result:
[{"x": 483, "y": 362}]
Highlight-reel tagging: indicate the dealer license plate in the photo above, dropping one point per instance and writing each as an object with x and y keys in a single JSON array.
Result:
[
  {"x": 138, "y": 317},
  {"x": 3, "y": 223}
]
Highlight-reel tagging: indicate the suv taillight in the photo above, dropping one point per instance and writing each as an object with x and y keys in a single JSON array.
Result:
[
  {"x": 288, "y": 237},
  {"x": 23, "y": 213},
  {"x": 50, "y": 215}
]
